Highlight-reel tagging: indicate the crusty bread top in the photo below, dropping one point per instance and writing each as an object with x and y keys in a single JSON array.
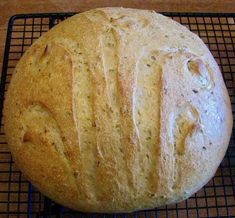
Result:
[{"x": 118, "y": 110}]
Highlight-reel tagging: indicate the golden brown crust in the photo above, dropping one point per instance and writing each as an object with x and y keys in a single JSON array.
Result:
[{"x": 118, "y": 110}]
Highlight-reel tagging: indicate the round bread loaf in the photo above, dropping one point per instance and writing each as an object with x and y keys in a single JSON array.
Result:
[{"x": 118, "y": 110}]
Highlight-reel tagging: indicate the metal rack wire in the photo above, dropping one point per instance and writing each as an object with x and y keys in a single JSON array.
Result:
[{"x": 18, "y": 198}]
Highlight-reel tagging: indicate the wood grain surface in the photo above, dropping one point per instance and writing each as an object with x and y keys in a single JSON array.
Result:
[{"x": 11, "y": 7}]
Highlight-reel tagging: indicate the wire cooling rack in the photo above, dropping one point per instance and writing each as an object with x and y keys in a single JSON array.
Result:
[{"x": 18, "y": 198}]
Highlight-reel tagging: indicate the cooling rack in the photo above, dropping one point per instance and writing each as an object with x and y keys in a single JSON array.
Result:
[{"x": 18, "y": 198}]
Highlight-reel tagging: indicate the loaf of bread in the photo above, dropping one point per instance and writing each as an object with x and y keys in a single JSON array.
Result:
[{"x": 116, "y": 110}]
